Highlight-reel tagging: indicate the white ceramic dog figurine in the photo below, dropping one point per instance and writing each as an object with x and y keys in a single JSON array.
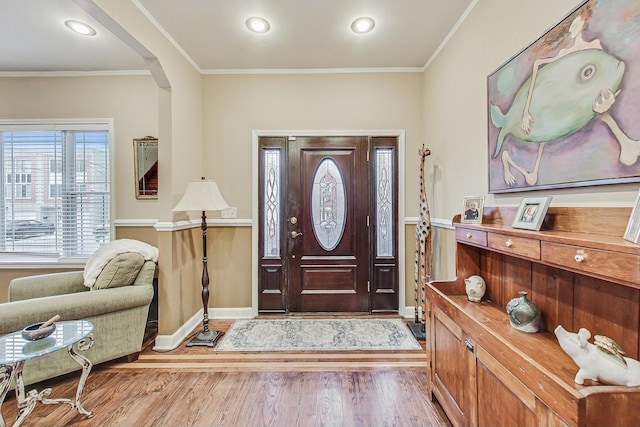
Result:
[
  {"x": 475, "y": 288},
  {"x": 596, "y": 364}
]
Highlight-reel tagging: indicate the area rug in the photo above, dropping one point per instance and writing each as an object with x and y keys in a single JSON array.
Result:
[{"x": 318, "y": 335}]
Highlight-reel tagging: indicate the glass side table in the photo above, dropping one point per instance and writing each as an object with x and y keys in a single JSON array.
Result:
[{"x": 15, "y": 351}]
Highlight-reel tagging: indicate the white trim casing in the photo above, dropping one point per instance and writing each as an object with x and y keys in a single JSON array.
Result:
[
  {"x": 170, "y": 342},
  {"x": 135, "y": 222},
  {"x": 193, "y": 223},
  {"x": 436, "y": 222}
]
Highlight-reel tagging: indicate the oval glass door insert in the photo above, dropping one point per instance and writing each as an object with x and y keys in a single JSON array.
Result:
[{"x": 328, "y": 204}]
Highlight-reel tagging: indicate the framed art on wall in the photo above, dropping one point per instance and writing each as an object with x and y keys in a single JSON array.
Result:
[
  {"x": 632, "y": 233},
  {"x": 531, "y": 213},
  {"x": 472, "y": 210},
  {"x": 563, "y": 111},
  {"x": 145, "y": 159}
]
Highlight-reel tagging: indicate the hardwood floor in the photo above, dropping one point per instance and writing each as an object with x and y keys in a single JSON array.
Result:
[{"x": 196, "y": 387}]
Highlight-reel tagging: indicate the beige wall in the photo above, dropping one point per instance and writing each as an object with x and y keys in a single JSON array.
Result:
[
  {"x": 455, "y": 109},
  {"x": 205, "y": 122},
  {"x": 131, "y": 101},
  {"x": 170, "y": 108},
  {"x": 456, "y": 125},
  {"x": 235, "y": 105},
  {"x": 443, "y": 245},
  {"x": 144, "y": 234},
  {"x": 229, "y": 250},
  {"x": 179, "y": 118}
]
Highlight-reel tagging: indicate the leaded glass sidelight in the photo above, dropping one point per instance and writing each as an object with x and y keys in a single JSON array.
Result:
[
  {"x": 328, "y": 204},
  {"x": 272, "y": 205},
  {"x": 384, "y": 202}
]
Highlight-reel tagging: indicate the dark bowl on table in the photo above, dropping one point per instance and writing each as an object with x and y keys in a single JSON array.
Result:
[{"x": 34, "y": 332}]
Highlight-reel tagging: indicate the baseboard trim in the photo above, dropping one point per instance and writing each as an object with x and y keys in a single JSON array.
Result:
[
  {"x": 171, "y": 342},
  {"x": 410, "y": 312}
]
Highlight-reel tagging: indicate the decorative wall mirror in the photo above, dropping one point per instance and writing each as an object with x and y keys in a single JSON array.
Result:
[{"x": 145, "y": 157}]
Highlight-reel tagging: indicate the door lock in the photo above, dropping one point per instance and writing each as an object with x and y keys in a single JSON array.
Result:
[
  {"x": 295, "y": 234},
  {"x": 293, "y": 220}
]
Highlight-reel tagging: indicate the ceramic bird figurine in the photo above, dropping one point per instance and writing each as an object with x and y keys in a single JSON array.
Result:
[{"x": 609, "y": 346}]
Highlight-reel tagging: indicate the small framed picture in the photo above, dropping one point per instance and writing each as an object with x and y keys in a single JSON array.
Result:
[
  {"x": 472, "y": 209},
  {"x": 531, "y": 213},
  {"x": 632, "y": 233}
]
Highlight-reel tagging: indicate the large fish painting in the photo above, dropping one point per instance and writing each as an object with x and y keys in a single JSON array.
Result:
[{"x": 565, "y": 111}]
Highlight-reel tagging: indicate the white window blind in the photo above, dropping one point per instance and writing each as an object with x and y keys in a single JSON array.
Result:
[{"x": 56, "y": 197}]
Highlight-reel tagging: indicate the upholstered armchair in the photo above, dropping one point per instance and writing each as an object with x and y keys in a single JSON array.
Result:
[{"x": 117, "y": 303}]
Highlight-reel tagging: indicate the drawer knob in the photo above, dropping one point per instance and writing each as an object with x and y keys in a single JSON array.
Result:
[
  {"x": 580, "y": 255},
  {"x": 508, "y": 243},
  {"x": 469, "y": 235}
]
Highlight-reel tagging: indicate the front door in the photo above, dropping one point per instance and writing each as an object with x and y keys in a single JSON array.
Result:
[
  {"x": 327, "y": 228},
  {"x": 327, "y": 224}
]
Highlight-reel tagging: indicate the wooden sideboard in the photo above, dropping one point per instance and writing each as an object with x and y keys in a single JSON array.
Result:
[{"x": 581, "y": 273}]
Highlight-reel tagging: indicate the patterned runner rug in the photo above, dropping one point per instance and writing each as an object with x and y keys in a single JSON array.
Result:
[{"x": 318, "y": 334}]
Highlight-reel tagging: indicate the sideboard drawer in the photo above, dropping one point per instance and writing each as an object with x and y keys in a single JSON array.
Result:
[
  {"x": 515, "y": 245},
  {"x": 616, "y": 265},
  {"x": 471, "y": 236}
]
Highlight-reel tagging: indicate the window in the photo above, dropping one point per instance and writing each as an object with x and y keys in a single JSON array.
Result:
[
  {"x": 272, "y": 206},
  {"x": 55, "y": 165},
  {"x": 54, "y": 190},
  {"x": 19, "y": 180},
  {"x": 57, "y": 188}
]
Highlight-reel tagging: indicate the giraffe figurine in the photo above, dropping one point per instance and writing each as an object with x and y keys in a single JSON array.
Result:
[{"x": 422, "y": 268}]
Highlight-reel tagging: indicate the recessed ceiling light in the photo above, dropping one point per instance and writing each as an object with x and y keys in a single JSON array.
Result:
[
  {"x": 363, "y": 25},
  {"x": 258, "y": 25},
  {"x": 80, "y": 27}
]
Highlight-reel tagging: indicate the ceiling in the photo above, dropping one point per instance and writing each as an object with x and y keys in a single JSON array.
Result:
[{"x": 304, "y": 35}]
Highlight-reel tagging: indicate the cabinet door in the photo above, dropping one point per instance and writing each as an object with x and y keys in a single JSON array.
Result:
[
  {"x": 502, "y": 399},
  {"x": 453, "y": 367}
]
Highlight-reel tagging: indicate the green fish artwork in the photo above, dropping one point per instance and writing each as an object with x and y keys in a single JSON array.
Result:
[
  {"x": 563, "y": 112},
  {"x": 561, "y": 102}
]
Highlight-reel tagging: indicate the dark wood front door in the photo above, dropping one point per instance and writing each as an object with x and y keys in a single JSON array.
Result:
[
  {"x": 327, "y": 204},
  {"x": 328, "y": 244}
]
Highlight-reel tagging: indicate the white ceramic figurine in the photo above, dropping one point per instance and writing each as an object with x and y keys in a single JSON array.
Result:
[
  {"x": 602, "y": 362},
  {"x": 475, "y": 288}
]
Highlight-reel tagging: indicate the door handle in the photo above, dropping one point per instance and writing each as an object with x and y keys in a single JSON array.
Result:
[
  {"x": 468, "y": 344},
  {"x": 295, "y": 234}
]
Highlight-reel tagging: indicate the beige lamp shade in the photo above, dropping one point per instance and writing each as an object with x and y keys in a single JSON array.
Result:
[{"x": 201, "y": 195}]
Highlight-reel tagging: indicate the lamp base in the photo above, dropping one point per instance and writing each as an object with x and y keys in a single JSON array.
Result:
[
  {"x": 206, "y": 338},
  {"x": 418, "y": 330}
]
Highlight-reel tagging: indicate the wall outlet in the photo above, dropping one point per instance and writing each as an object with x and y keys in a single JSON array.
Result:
[{"x": 230, "y": 213}]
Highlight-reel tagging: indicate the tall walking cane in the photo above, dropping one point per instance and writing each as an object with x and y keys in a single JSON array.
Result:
[{"x": 422, "y": 266}]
